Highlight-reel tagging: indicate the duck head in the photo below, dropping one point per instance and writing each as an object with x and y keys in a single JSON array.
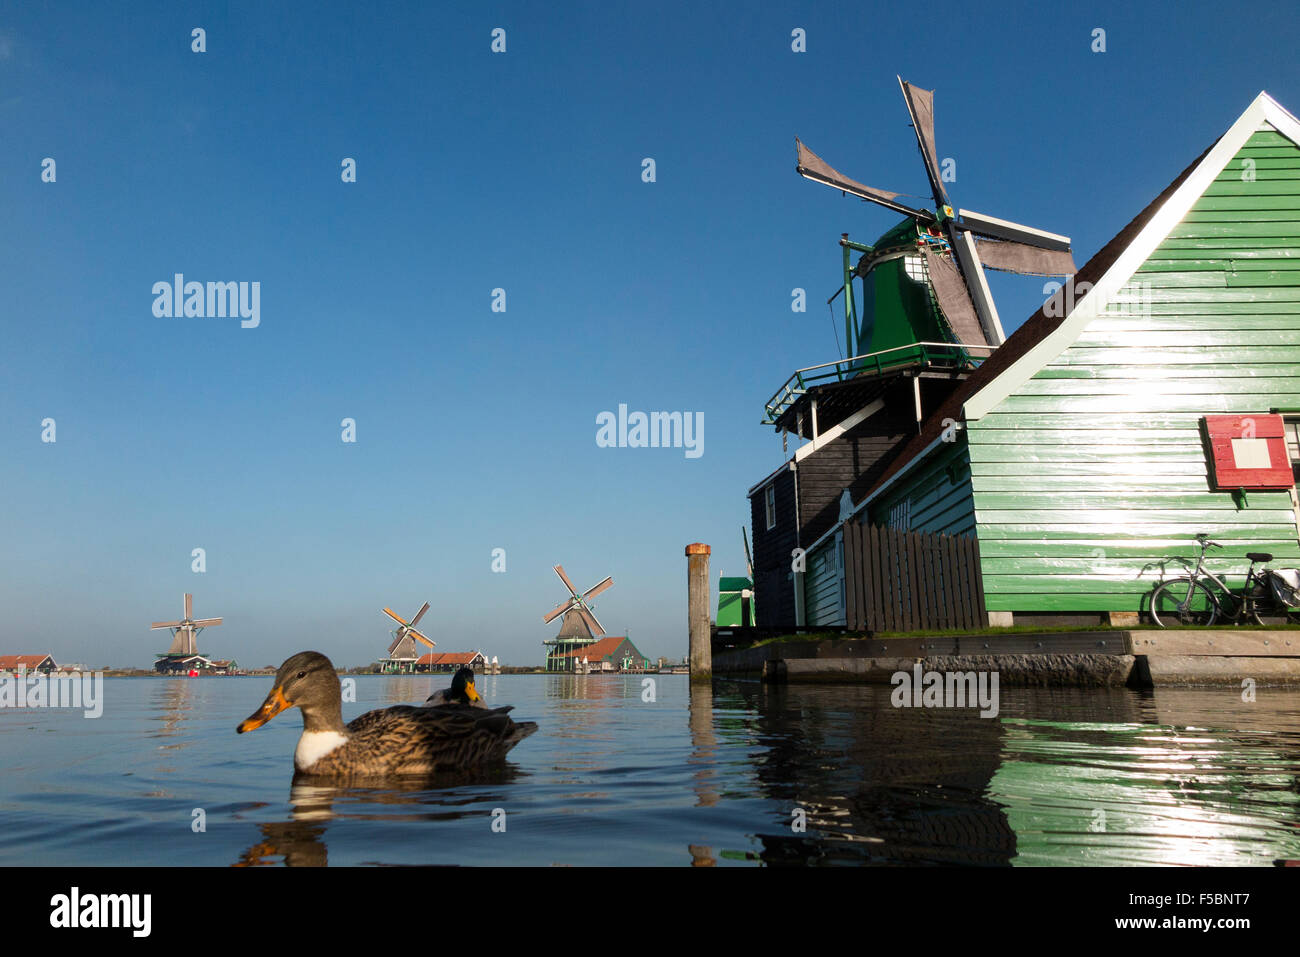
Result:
[
  {"x": 462, "y": 687},
  {"x": 306, "y": 681}
]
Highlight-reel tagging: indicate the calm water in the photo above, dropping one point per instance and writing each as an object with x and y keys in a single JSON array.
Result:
[{"x": 1059, "y": 777}]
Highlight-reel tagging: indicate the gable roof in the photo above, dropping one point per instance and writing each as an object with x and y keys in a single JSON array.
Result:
[
  {"x": 24, "y": 661},
  {"x": 451, "y": 658},
  {"x": 1059, "y": 322},
  {"x": 596, "y": 651}
]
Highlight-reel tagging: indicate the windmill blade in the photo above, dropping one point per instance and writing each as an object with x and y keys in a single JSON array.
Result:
[
  {"x": 984, "y": 225},
  {"x": 977, "y": 285},
  {"x": 165, "y": 624},
  {"x": 207, "y": 623},
  {"x": 811, "y": 166},
  {"x": 189, "y": 605},
  {"x": 1024, "y": 259},
  {"x": 559, "y": 570},
  {"x": 395, "y": 616},
  {"x": 954, "y": 299},
  {"x": 597, "y": 629},
  {"x": 396, "y": 641},
  {"x": 596, "y": 589},
  {"x": 559, "y": 610},
  {"x": 920, "y": 105},
  {"x": 419, "y": 637},
  {"x": 420, "y": 614},
  {"x": 749, "y": 562}
]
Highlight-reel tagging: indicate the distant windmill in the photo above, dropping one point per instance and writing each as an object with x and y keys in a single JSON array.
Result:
[
  {"x": 403, "y": 649},
  {"x": 577, "y": 613},
  {"x": 186, "y": 631},
  {"x": 579, "y": 626}
]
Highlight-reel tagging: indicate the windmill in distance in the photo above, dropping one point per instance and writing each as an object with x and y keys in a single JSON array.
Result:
[
  {"x": 183, "y": 655},
  {"x": 579, "y": 626},
  {"x": 402, "y": 653}
]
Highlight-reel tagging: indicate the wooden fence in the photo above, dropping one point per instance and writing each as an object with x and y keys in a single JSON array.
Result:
[{"x": 911, "y": 581}]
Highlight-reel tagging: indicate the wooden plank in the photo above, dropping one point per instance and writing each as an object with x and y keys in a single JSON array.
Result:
[
  {"x": 888, "y": 582},
  {"x": 938, "y": 585},
  {"x": 963, "y": 612},
  {"x": 982, "y": 606},
  {"x": 925, "y": 592},
  {"x": 1051, "y": 643},
  {"x": 1214, "y": 641},
  {"x": 853, "y": 576},
  {"x": 878, "y": 616}
]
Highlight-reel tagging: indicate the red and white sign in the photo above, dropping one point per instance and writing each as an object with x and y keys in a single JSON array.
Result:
[{"x": 1249, "y": 451}]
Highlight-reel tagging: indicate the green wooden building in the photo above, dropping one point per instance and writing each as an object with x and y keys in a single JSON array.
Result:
[{"x": 1080, "y": 452}]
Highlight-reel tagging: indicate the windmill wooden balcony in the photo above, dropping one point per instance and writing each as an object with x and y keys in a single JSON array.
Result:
[{"x": 814, "y": 397}]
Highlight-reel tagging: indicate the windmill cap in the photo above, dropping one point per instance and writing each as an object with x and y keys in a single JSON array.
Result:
[{"x": 698, "y": 548}]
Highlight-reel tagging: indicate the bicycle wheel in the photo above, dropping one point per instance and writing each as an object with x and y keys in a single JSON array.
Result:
[
  {"x": 1266, "y": 610},
  {"x": 1181, "y": 601}
]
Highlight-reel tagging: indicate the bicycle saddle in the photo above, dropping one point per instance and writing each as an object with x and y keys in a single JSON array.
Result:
[{"x": 1259, "y": 556}]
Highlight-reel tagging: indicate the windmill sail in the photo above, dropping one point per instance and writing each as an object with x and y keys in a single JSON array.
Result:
[
  {"x": 954, "y": 299},
  {"x": 811, "y": 166},
  {"x": 1025, "y": 259},
  {"x": 920, "y": 104}
]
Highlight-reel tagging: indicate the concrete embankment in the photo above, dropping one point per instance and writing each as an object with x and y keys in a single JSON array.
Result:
[{"x": 1111, "y": 658}]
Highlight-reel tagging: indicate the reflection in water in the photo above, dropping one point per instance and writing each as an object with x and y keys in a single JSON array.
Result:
[
  {"x": 877, "y": 783},
  {"x": 174, "y": 702},
  {"x": 704, "y": 775},
  {"x": 704, "y": 744},
  {"x": 300, "y": 842},
  {"x": 1063, "y": 776},
  {"x": 1164, "y": 786}
]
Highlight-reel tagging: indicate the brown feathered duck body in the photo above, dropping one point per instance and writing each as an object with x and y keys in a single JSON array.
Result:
[{"x": 390, "y": 741}]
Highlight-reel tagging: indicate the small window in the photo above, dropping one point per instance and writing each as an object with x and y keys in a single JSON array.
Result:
[
  {"x": 769, "y": 500},
  {"x": 900, "y": 515}
]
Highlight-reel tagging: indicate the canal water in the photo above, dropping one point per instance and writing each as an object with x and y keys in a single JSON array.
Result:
[{"x": 621, "y": 773}]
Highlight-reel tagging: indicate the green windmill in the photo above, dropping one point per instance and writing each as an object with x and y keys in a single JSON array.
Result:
[{"x": 923, "y": 289}]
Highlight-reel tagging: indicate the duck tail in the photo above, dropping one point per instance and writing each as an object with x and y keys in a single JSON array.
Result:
[{"x": 521, "y": 730}]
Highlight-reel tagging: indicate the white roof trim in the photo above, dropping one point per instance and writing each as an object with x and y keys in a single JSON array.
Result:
[
  {"x": 835, "y": 431},
  {"x": 1264, "y": 109},
  {"x": 788, "y": 464}
]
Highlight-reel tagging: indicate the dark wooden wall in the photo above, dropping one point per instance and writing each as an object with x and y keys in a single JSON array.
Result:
[{"x": 773, "y": 588}]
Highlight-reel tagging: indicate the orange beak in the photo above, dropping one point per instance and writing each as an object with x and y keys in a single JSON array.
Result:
[{"x": 275, "y": 703}]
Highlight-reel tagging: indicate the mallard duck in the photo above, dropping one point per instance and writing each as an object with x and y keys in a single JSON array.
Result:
[
  {"x": 461, "y": 692},
  {"x": 388, "y": 741}
]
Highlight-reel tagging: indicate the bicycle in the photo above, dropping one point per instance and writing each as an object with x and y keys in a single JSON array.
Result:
[{"x": 1190, "y": 601}]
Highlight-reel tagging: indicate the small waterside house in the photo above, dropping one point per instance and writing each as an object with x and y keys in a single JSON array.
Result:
[
  {"x": 27, "y": 664},
  {"x": 605, "y": 655},
  {"x": 1155, "y": 396},
  {"x": 449, "y": 661}
]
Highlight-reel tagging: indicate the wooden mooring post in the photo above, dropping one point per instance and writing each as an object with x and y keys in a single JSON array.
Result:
[{"x": 697, "y": 610}]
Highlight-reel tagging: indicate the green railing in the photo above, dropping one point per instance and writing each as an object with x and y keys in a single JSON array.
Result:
[{"x": 944, "y": 355}]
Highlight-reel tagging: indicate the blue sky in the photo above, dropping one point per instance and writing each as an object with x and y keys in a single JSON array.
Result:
[{"x": 475, "y": 171}]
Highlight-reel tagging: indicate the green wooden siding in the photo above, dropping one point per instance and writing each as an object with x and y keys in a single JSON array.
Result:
[
  {"x": 1095, "y": 468},
  {"x": 824, "y": 585},
  {"x": 937, "y": 494}
]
